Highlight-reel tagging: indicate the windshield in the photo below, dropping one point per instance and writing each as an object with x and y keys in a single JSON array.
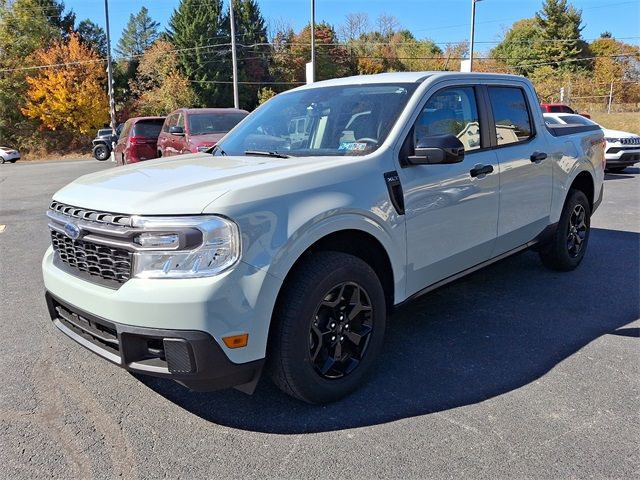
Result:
[
  {"x": 577, "y": 119},
  {"x": 341, "y": 120},
  {"x": 206, "y": 123}
]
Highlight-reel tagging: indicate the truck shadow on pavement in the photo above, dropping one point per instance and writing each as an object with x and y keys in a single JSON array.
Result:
[
  {"x": 490, "y": 333},
  {"x": 628, "y": 172}
]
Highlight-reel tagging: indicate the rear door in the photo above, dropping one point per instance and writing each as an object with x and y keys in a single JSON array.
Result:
[
  {"x": 525, "y": 170},
  {"x": 451, "y": 214}
]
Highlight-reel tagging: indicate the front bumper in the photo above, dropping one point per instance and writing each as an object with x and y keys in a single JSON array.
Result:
[
  {"x": 623, "y": 156},
  {"x": 192, "y": 358},
  {"x": 237, "y": 301}
]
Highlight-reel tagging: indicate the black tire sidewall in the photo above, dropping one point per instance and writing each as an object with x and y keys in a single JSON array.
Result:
[
  {"x": 294, "y": 350},
  {"x": 565, "y": 261},
  {"x": 100, "y": 148}
]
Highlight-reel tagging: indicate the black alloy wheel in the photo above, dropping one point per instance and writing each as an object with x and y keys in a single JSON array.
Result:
[
  {"x": 327, "y": 328},
  {"x": 340, "y": 331},
  {"x": 577, "y": 231}
]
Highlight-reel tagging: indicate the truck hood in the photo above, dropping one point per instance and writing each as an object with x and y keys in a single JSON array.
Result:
[
  {"x": 617, "y": 133},
  {"x": 176, "y": 185}
]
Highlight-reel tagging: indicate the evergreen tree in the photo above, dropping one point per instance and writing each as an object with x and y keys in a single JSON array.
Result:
[
  {"x": 197, "y": 31},
  {"x": 521, "y": 47},
  {"x": 560, "y": 26},
  {"x": 252, "y": 52},
  {"x": 54, "y": 11},
  {"x": 93, "y": 36},
  {"x": 138, "y": 35}
]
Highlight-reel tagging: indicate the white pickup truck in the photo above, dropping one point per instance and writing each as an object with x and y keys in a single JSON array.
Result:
[{"x": 287, "y": 245}]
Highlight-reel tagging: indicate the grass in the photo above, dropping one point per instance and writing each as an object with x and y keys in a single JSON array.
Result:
[{"x": 627, "y": 122}]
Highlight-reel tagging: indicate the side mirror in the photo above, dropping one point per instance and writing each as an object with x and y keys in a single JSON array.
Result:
[
  {"x": 437, "y": 149},
  {"x": 175, "y": 130}
]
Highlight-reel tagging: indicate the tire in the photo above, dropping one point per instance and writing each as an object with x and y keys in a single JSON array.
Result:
[
  {"x": 2, "y": 159},
  {"x": 615, "y": 169},
  {"x": 101, "y": 152},
  {"x": 568, "y": 244},
  {"x": 308, "y": 333}
]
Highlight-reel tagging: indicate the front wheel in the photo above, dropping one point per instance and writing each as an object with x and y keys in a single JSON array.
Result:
[
  {"x": 568, "y": 245},
  {"x": 328, "y": 328},
  {"x": 101, "y": 152}
]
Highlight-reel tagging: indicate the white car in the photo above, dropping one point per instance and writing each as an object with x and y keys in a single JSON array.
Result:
[
  {"x": 622, "y": 149},
  {"x": 9, "y": 155}
]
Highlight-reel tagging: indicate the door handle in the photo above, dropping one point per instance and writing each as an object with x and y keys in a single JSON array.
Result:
[
  {"x": 480, "y": 170},
  {"x": 537, "y": 156}
]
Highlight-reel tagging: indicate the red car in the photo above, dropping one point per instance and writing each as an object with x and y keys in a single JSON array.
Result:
[
  {"x": 138, "y": 140},
  {"x": 560, "y": 108},
  {"x": 192, "y": 130}
]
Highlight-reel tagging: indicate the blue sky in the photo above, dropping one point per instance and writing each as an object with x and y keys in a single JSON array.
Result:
[{"x": 441, "y": 20}]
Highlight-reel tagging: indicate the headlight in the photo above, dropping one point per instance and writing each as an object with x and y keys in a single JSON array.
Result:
[
  {"x": 611, "y": 140},
  {"x": 185, "y": 247}
]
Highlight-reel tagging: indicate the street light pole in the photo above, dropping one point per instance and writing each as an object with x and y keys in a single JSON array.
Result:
[
  {"x": 473, "y": 23},
  {"x": 112, "y": 101},
  {"x": 313, "y": 40},
  {"x": 234, "y": 59}
]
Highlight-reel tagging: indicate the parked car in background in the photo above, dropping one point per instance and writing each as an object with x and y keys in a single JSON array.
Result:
[
  {"x": 622, "y": 149},
  {"x": 138, "y": 140},
  {"x": 193, "y": 130},
  {"x": 9, "y": 155},
  {"x": 103, "y": 142},
  {"x": 560, "y": 108}
]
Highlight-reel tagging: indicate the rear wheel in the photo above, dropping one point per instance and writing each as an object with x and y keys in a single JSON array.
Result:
[
  {"x": 569, "y": 242},
  {"x": 101, "y": 152},
  {"x": 2, "y": 159},
  {"x": 328, "y": 328}
]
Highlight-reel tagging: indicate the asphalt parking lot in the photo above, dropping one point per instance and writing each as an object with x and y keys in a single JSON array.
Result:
[{"x": 512, "y": 372}]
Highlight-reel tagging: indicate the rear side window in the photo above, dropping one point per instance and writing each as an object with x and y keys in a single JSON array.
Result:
[
  {"x": 147, "y": 128},
  {"x": 511, "y": 115},
  {"x": 125, "y": 130},
  {"x": 451, "y": 111}
]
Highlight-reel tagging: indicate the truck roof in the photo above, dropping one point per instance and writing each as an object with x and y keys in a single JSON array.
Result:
[{"x": 406, "y": 77}]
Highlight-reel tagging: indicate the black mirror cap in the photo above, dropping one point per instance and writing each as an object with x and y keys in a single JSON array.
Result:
[
  {"x": 175, "y": 130},
  {"x": 437, "y": 149}
]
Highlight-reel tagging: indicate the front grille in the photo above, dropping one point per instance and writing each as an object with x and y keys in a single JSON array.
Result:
[
  {"x": 99, "y": 332},
  {"x": 99, "y": 261},
  {"x": 91, "y": 215},
  {"x": 630, "y": 141}
]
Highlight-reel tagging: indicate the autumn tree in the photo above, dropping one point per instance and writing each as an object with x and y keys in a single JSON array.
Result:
[
  {"x": 159, "y": 86},
  {"x": 70, "y": 97}
]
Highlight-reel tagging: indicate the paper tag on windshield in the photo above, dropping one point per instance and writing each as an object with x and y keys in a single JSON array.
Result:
[{"x": 352, "y": 146}]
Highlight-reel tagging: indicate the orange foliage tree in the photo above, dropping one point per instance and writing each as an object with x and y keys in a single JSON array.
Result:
[{"x": 69, "y": 94}]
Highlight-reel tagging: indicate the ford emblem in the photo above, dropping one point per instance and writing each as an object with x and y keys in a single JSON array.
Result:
[{"x": 72, "y": 231}]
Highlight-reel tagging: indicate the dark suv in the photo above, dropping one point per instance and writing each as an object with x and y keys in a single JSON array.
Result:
[{"x": 192, "y": 130}]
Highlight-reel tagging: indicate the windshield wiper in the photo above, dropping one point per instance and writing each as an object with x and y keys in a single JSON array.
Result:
[{"x": 261, "y": 153}]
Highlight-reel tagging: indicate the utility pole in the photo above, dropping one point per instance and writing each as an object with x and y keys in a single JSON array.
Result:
[
  {"x": 610, "y": 98},
  {"x": 234, "y": 60},
  {"x": 112, "y": 101},
  {"x": 473, "y": 24},
  {"x": 313, "y": 40}
]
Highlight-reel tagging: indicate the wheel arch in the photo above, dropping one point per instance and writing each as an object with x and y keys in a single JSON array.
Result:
[{"x": 585, "y": 183}]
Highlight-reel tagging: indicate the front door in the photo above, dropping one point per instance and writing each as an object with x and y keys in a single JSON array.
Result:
[{"x": 451, "y": 212}]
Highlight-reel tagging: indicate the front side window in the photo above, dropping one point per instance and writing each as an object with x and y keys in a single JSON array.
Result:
[
  {"x": 170, "y": 122},
  {"x": 452, "y": 111},
  {"x": 511, "y": 114},
  {"x": 344, "y": 120}
]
